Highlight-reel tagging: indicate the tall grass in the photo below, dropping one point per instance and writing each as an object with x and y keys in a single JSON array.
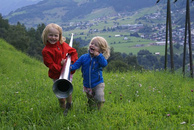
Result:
[{"x": 134, "y": 100}]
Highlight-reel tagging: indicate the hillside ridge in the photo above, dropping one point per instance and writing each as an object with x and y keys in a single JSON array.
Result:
[
  {"x": 14, "y": 63},
  {"x": 61, "y": 11}
]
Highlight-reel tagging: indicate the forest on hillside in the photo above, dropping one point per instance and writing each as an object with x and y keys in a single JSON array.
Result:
[
  {"x": 72, "y": 9},
  {"x": 29, "y": 42}
]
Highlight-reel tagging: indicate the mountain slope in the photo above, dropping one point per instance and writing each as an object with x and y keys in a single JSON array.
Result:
[
  {"x": 61, "y": 11},
  {"x": 134, "y": 100},
  {"x": 6, "y": 6},
  {"x": 17, "y": 67}
]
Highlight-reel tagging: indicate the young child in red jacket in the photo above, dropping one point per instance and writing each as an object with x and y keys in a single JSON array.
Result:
[{"x": 54, "y": 56}]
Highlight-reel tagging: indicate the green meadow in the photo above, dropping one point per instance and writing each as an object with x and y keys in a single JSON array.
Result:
[
  {"x": 134, "y": 100},
  {"x": 118, "y": 43},
  {"x": 129, "y": 45}
]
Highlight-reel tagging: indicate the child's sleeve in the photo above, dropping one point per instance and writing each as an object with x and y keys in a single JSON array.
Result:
[
  {"x": 101, "y": 60},
  {"x": 72, "y": 51},
  {"x": 77, "y": 64},
  {"x": 48, "y": 61}
]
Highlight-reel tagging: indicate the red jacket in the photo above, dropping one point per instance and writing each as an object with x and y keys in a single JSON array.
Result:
[{"x": 53, "y": 55}]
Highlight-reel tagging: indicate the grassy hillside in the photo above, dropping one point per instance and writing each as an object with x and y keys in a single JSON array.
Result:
[
  {"x": 118, "y": 43},
  {"x": 134, "y": 100},
  {"x": 61, "y": 11}
]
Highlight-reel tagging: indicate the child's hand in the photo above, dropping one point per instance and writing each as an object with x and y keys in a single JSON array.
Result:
[
  {"x": 63, "y": 62},
  {"x": 96, "y": 53}
]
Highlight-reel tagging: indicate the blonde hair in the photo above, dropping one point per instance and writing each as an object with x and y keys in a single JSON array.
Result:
[
  {"x": 46, "y": 31},
  {"x": 103, "y": 44}
]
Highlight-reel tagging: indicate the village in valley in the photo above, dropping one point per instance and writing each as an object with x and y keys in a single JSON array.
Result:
[{"x": 144, "y": 28}]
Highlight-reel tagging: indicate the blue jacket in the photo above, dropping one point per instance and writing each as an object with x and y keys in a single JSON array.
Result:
[{"x": 91, "y": 69}]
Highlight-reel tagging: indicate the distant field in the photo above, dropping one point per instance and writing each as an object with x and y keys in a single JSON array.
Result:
[
  {"x": 126, "y": 49},
  {"x": 127, "y": 46},
  {"x": 118, "y": 43}
]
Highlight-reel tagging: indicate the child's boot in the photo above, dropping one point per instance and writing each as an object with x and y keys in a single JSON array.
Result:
[
  {"x": 68, "y": 107},
  {"x": 100, "y": 104},
  {"x": 62, "y": 103}
]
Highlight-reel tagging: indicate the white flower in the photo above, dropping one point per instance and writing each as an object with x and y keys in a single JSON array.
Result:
[{"x": 182, "y": 123}]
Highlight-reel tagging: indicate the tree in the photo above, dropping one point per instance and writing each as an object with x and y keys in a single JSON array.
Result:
[
  {"x": 117, "y": 65},
  {"x": 147, "y": 59},
  {"x": 143, "y": 52},
  {"x": 4, "y": 26},
  {"x": 3, "y": 23},
  {"x": 17, "y": 36},
  {"x": 135, "y": 34}
]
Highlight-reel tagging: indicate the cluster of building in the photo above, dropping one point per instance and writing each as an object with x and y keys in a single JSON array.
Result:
[{"x": 157, "y": 33}]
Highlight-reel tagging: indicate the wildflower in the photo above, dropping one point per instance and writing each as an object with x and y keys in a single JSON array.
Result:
[
  {"x": 182, "y": 123},
  {"x": 129, "y": 101},
  {"x": 110, "y": 92},
  {"x": 31, "y": 109},
  {"x": 191, "y": 90},
  {"x": 140, "y": 85},
  {"x": 168, "y": 115}
]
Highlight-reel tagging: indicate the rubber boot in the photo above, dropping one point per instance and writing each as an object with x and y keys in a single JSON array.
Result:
[
  {"x": 68, "y": 107},
  {"x": 62, "y": 103},
  {"x": 100, "y": 105}
]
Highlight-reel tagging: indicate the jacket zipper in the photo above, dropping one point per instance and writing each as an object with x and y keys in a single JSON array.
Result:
[
  {"x": 90, "y": 73},
  {"x": 93, "y": 65}
]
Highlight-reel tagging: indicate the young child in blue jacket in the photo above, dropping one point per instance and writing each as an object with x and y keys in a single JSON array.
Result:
[{"x": 92, "y": 64}]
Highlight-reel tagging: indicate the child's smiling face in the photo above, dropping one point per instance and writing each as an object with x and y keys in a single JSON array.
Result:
[
  {"x": 53, "y": 36},
  {"x": 94, "y": 47}
]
